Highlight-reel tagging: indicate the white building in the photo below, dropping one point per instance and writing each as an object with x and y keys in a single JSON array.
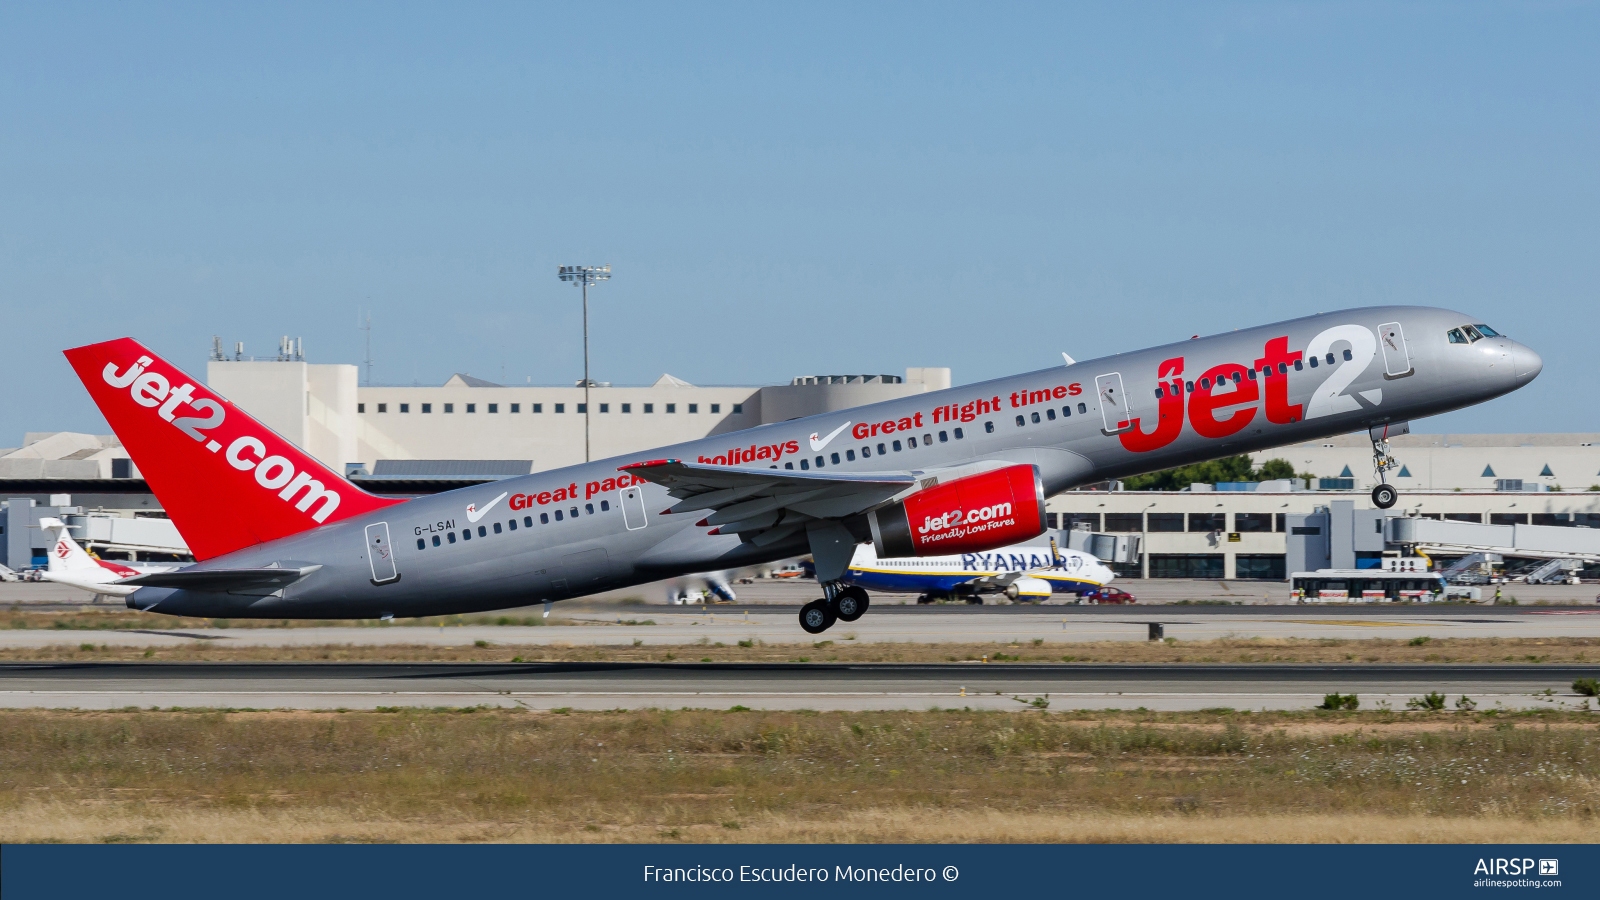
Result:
[{"x": 1468, "y": 462}]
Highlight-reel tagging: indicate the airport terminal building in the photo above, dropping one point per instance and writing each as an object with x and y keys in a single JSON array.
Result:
[{"x": 421, "y": 439}]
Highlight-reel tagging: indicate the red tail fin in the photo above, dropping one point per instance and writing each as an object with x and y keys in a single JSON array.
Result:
[{"x": 226, "y": 480}]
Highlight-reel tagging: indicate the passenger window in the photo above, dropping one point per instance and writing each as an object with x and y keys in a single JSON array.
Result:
[
  {"x": 422, "y": 544},
  {"x": 788, "y": 465},
  {"x": 1050, "y": 414},
  {"x": 944, "y": 437},
  {"x": 1313, "y": 361},
  {"x": 1253, "y": 374},
  {"x": 1455, "y": 336},
  {"x": 927, "y": 440},
  {"x": 589, "y": 508},
  {"x": 1347, "y": 355},
  {"x": 805, "y": 464},
  {"x": 512, "y": 524},
  {"x": 1066, "y": 411},
  {"x": 1021, "y": 421},
  {"x": 1283, "y": 368},
  {"x": 911, "y": 443},
  {"x": 1237, "y": 378},
  {"x": 881, "y": 451},
  {"x": 544, "y": 518},
  {"x": 436, "y": 540},
  {"x": 605, "y": 505},
  {"x": 958, "y": 434},
  {"x": 1297, "y": 366},
  {"x": 1190, "y": 387},
  {"x": 558, "y": 515},
  {"x": 866, "y": 452},
  {"x": 820, "y": 460},
  {"x": 1485, "y": 330},
  {"x": 834, "y": 458},
  {"x": 850, "y": 455},
  {"x": 1330, "y": 357},
  {"x": 496, "y": 528},
  {"x": 573, "y": 512},
  {"x": 1160, "y": 392},
  {"x": 466, "y": 534},
  {"x": 527, "y": 521},
  {"x": 1035, "y": 418},
  {"x": 1083, "y": 408},
  {"x": 897, "y": 446},
  {"x": 484, "y": 532},
  {"x": 452, "y": 537},
  {"x": 1205, "y": 384},
  {"x": 988, "y": 428}
]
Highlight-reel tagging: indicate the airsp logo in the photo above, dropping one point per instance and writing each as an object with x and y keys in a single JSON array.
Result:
[{"x": 1549, "y": 867}]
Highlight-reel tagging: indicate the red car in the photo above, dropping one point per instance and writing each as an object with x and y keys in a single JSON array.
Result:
[{"x": 1109, "y": 595}]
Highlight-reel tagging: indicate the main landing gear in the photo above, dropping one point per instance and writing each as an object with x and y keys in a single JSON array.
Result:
[{"x": 842, "y": 604}]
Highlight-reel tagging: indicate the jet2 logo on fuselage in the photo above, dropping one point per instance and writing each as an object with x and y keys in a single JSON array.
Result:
[{"x": 474, "y": 514}]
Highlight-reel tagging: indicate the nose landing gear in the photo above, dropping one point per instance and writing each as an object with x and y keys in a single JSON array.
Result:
[
  {"x": 842, "y": 604},
  {"x": 1385, "y": 495}
]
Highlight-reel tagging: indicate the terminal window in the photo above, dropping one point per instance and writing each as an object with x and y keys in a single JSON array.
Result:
[
  {"x": 361, "y": 407},
  {"x": 471, "y": 408},
  {"x": 693, "y": 408},
  {"x": 536, "y": 407},
  {"x": 427, "y": 407},
  {"x": 671, "y": 408},
  {"x": 626, "y": 407},
  {"x": 449, "y": 407},
  {"x": 560, "y": 408},
  {"x": 1124, "y": 522},
  {"x": 1165, "y": 521},
  {"x": 738, "y": 409},
  {"x": 1252, "y": 521},
  {"x": 515, "y": 407},
  {"x": 383, "y": 407},
  {"x": 582, "y": 407},
  {"x": 405, "y": 407},
  {"x": 715, "y": 408},
  {"x": 493, "y": 407},
  {"x": 604, "y": 407},
  {"x": 649, "y": 407},
  {"x": 1207, "y": 522}
]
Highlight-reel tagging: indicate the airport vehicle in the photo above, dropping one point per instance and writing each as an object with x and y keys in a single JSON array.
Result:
[
  {"x": 71, "y": 565},
  {"x": 278, "y": 534},
  {"x": 1109, "y": 595},
  {"x": 1365, "y": 586},
  {"x": 1027, "y": 572}
]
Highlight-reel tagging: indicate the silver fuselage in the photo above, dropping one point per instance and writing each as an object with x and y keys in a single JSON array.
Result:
[{"x": 1080, "y": 436}]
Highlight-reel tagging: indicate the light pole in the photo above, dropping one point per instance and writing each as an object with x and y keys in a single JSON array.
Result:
[{"x": 582, "y": 277}]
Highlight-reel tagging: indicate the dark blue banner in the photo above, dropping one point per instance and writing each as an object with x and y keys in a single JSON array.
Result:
[{"x": 314, "y": 872}]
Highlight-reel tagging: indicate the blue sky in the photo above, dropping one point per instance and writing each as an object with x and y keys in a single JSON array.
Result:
[{"x": 787, "y": 189}]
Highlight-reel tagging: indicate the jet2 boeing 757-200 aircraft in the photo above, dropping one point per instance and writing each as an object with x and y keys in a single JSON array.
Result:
[{"x": 964, "y": 470}]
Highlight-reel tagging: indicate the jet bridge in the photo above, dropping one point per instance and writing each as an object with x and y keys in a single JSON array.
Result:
[{"x": 1551, "y": 542}]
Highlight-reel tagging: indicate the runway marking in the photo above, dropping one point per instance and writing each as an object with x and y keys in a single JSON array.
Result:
[{"x": 1365, "y": 624}]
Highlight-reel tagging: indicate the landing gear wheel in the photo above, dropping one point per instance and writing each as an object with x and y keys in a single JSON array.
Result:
[
  {"x": 849, "y": 603},
  {"x": 1385, "y": 496},
  {"x": 975, "y": 599},
  {"x": 816, "y": 617}
]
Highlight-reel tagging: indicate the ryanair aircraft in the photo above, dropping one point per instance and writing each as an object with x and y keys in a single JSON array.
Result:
[{"x": 1026, "y": 572}]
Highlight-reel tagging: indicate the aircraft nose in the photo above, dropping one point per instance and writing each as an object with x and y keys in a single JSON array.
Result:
[{"x": 1527, "y": 364}]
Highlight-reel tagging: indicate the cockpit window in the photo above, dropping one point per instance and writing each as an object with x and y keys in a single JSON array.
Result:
[
  {"x": 1456, "y": 337},
  {"x": 1472, "y": 333},
  {"x": 1486, "y": 330}
]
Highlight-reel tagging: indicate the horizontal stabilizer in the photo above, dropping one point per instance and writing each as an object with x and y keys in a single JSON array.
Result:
[{"x": 221, "y": 580}]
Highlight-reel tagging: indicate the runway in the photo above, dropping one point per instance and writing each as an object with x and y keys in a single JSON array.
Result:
[
  {"x": 774, "y": 686},
  {"x": 607, "y": 624}
]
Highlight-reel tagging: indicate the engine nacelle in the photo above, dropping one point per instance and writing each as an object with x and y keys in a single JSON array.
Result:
[{"x": 969, "y": 515}]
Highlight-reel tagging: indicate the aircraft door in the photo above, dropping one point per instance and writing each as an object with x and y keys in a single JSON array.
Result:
[
  {"x": 1396, "y": 355},
  {"x": 633, "y": 507},
  {"x": 380, "y": 554},
  {"x": 1113, "y": 402}
]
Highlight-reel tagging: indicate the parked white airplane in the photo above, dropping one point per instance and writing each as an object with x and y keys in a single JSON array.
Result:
[
  {"x": 1023, "y": 572},
  {"x": 71, "y": 566}
]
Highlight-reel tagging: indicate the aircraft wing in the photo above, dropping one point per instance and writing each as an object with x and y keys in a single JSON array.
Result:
[
  {"x": 220, "y": 580},
  {"x": 770, "y": 504}
]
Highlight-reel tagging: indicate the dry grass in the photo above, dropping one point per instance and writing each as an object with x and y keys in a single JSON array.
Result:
[
  {"x": 484, "y": 775},
  {"x": 1234, "y": 650}
]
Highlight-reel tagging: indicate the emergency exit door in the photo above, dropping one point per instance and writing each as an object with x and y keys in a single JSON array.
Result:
[
  {"x": 380, "y": 554},
  {"x": 633, "y": 507},
  {"x": 1114, "y": 410}
]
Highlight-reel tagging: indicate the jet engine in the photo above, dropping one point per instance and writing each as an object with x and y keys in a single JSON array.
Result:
[{"x": 968, "y": 515}]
